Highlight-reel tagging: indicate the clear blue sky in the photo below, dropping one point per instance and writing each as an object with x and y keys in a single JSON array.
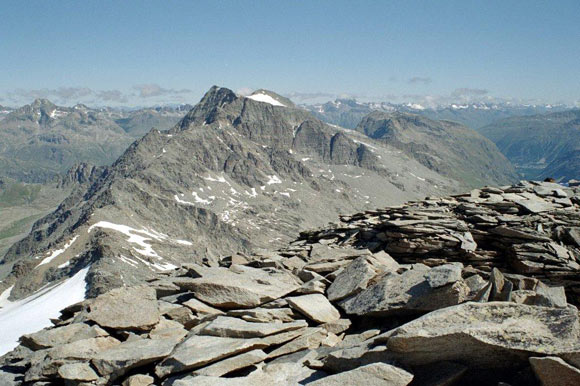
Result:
[{"x": 148, "y": 52}]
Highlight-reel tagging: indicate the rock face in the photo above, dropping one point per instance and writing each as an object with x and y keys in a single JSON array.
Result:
[
  {"x": 433, "y": 292},
  {"x": 441, "y": 146}
]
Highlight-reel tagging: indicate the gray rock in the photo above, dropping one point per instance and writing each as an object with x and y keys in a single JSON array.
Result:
[
  {"x": 444, "y": 274},
  {"x": 119, "y": 360},
  {"x": 127, "y": 308},
  {"x": 353, "y": 279},
  {"x": 495, "y": 334},
  {"x": 311, "y": 338},
  {"x": 265, "y": 315},
  {"x": 554, "y": 371},
  {"x": 240, "y": 286},
  {"x": 374, "y": 374},
  {"x": 234, "y": 363},
  {"x": 404, "y": 293},
  {"x": 61, "y": 335},
  {"x": 139, "y": 380},
  {"x": 225, "y": 326},
  {"x": 77, "y": 372},
  {"x": 200, "y": 350},
  {"x": 315, "y": 307}
]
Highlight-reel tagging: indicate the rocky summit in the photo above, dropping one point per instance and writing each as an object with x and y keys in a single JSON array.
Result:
[{"x": 479, "y": 288}]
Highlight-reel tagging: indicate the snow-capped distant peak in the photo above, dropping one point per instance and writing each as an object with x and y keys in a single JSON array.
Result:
[{"x": 265, "y": 98}]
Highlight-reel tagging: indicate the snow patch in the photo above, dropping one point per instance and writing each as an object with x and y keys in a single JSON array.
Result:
[
  {"x": 273, "y": 179},
  {"x": 265, "y": 98},
  {"x": 136, "y": 236},
  {"x": 34, "y": 312},
  {"x": 58, "y": 252}
]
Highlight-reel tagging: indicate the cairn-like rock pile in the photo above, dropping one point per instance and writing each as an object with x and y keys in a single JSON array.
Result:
[{"x": 473, "y": 289}]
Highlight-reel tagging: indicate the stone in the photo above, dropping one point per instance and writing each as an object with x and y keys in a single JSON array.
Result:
[
  {"x": 550, "y": 296},
  {"x": 444, "y": 274},
  {"x": 230, "y": 327},
  {"x": 310, "y": 339},
  {"x": 486, "y": 335},
  {"x": 83, "y": 348},
  {"x": 167, "y": 329},
  {"x": 265, "y": 315},
  {"x": 353, "y": 279},
  {"x": 374, "y": 374},
  {"x": 126, "y": 308},
  {"x": 338, "y": 326},
  {"x": 231, "y": 364},
  {"x": 240, "y": 286},
  {"x": 200, "y": 307},
  {"x": 405, "y": 293},
  {"x": 315, "y": 307},
  {"x": 554, "y": 371},
  {"x": 200, "y": 350},
  {"x": 119, "y": 360},
  {"x": 61, "y": 335},
  {"x": 77, "y": 372},
  {"x": 139, "y": 380}
]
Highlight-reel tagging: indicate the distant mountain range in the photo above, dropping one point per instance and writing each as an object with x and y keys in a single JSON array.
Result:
[
  {"x": 348, "y": 112},
  {"x": 540, "y": 146},
  {"x": 40, "y": 141},
  {"x": 237, "y": 174}
]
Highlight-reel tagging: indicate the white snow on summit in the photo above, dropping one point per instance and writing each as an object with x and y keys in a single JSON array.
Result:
[
  {"x": 33, "y": 313},
  {"x": 266, "y": 99}
]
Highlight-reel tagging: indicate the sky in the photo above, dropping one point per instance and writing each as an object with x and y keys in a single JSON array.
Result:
[{"x": 137, "y": 53}]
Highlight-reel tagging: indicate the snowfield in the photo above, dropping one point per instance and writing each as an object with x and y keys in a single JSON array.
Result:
[
  {"x": 33, "y": 313},
  {"x": 266, "y": 99}
]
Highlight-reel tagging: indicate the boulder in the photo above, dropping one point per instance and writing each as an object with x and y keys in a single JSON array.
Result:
[
  {"x": 226, "y": 326},
  {"x": 375, "y": 374},
  {"x": 61, "y": 335},
  {"x": 444, "y": 274},
  {"x": 200, "y": 350},
  {"x": 240, "y": 286},
  {"x": 126, "y": 308},
  {"x": 554, "y": 371},
  {"x": 231, "y": 364},
  {"x": 139, "y": 380},
  {"x": 353, "y": 279},
  {"x": 486, "y": 335},
  {"x": 119, "y": 360},
  {"x": 315, "y": 307},
  {"x": 405, "y": 293},
  {"x": 77, "y": 372}
]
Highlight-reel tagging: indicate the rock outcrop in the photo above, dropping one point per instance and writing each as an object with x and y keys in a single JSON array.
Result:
[{"x": 433, "y": 292}]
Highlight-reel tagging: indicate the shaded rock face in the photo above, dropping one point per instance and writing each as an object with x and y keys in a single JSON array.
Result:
[
  {"x": 441, "y": 146},
  {"x": 333, "y": 307}
]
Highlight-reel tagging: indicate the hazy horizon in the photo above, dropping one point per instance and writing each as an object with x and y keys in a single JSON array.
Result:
[{"x": 154, "y": 53}]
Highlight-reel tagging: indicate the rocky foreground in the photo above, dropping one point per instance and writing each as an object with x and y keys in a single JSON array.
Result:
[{"x": 475, "y": 289}]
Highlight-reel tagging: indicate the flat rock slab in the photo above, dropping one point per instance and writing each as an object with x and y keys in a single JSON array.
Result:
[
  {"x": 554, "y": 371},
  {"x": 234, "y": 363},
  {"x": 444, "y": 274},
  {"x": 315, "y": 307},
  {"x": 230, "y": 327},
  {"x": 200, "y": 350},
  {"x": 375, "y": 374},
  {"x": 407, "y": 292},
  {"x": 353, "y": 279},
  {"x": 126, "y": 308},
  {"x": 77, "y": 372},
  {"x": 117, "y": 361},
  {"x": 240, "y": 286},
  {"x": 486, "y": 335},
  {"x": 61, "y": 335}
]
